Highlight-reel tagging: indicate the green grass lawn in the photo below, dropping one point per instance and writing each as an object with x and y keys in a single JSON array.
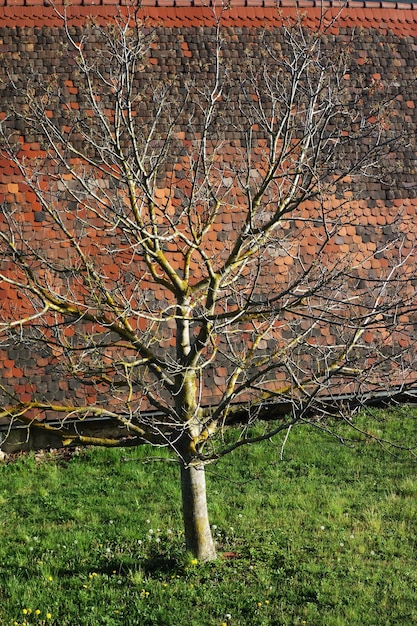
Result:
[{"x": 327, "y": 536}]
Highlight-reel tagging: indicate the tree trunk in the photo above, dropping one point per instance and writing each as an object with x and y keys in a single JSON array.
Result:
[{"x": 199, "y": 540}]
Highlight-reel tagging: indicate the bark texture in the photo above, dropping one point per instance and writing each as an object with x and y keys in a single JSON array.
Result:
[{"x": 198, "y": 537}]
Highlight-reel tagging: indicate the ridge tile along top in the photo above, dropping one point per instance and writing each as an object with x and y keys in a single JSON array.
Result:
[{"x": 399, "y": 18}]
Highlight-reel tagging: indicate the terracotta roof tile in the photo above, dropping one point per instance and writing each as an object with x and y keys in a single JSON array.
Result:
[
  {"x": 369, "y": 214},
  {"x": 398, "y": 17}
]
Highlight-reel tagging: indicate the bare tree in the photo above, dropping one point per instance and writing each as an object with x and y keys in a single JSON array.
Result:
[{"x": 192, "y": 259}]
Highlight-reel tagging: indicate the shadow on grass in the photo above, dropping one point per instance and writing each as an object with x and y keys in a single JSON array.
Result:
[{"x": 158, "y": 564}]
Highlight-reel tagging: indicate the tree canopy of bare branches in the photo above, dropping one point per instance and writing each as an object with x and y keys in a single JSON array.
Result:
[{"x": 196, "y": 257}]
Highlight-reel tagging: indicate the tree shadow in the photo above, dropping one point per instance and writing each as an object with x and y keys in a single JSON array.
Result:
[{"x": 158, "y": 564}]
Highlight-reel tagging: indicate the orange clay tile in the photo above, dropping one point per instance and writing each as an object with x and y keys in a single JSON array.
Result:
[{"x": 378, "y": 210}]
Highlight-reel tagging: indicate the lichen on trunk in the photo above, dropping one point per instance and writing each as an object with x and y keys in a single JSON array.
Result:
[{"x": 198, "y": 537}]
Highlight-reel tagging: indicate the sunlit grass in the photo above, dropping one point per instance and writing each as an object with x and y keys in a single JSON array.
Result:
[{"x": 324, "y": 537}]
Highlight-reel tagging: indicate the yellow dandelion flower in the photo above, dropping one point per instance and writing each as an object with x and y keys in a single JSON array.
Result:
[
  {"x": 194, "y": 561},
  {"x": 24, "y": 611},
  {"x": 37, "y": 612},
  {"x": 48, "y": 616}
]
